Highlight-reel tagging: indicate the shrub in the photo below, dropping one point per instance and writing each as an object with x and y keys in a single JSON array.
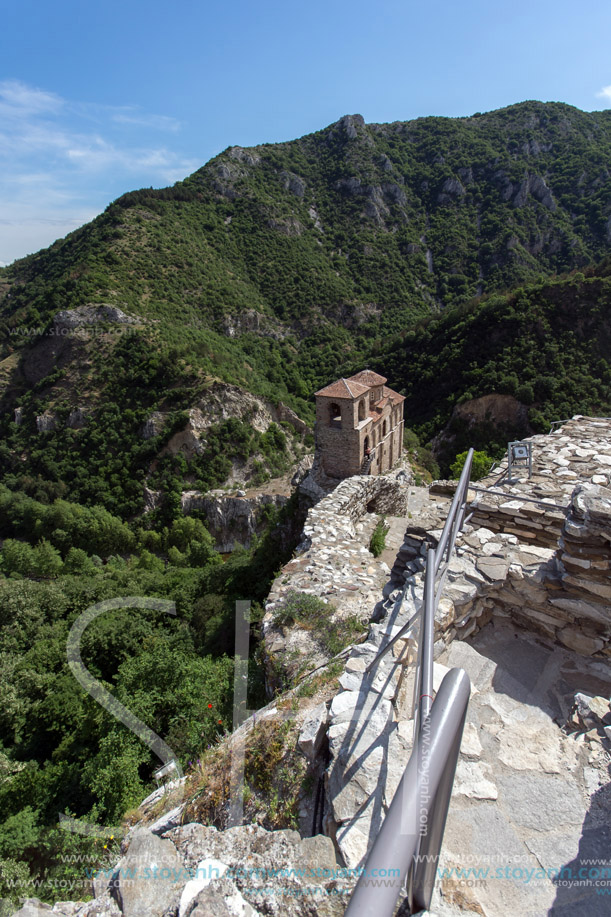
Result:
[
  {"x": 426, "y": 458},
  {"x": 480, "y": 466},
  {"x": 411, "y": 440},
  {"x": 378, "y": 538}
]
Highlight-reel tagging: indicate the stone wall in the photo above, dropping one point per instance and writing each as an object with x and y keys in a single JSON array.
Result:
[
  {"x": 562, "y": 593},
  {"x": 334, "y": 563},
  {"x": 577, "y": 452},
  {"x": 530, "y": 522}
]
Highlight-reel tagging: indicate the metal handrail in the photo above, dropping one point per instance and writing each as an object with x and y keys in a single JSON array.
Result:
[
  {"x": 411, "y": 835},
  {"x": 557, "y": 423},
  {"x": 446, "y": 543},
  {"x": 408, "y": 843}
]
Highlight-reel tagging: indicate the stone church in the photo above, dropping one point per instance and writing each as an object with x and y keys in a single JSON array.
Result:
[{"x": 359, "y": 426}]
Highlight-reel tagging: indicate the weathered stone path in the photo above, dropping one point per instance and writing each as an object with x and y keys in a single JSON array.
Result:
[
  {"x": 526, "y": 611},
  {"x": 529, "y": 798}
]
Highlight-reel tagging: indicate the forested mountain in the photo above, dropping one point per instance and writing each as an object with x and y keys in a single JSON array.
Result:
[
  {"x": 275, "y": 268},
  {"x": 538, "y": 354},
  {"x": 351, "y": 221},
  {"x": 465, "y": 259}
]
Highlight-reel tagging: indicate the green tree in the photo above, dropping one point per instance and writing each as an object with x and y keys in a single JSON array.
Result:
[
  {"x": 480, "y": 466},
  {"x": 78, "y": 562},
  {"x": 17, "y": 557},
  {"x": 47, "y": 560}
]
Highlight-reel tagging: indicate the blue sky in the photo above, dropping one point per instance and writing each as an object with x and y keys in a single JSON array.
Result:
[{"x": 101, "y": 98}]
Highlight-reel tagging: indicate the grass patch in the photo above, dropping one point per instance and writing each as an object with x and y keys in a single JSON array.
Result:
[
  {"x": 317, "y": 616},
  {"x": 276, "y": 778}
]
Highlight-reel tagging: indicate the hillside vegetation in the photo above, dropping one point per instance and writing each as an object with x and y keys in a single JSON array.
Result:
[
  {"x": 280, "y": 267},
  {"x": 465, "y": 259},
  {"x": 547, "y": 345}
]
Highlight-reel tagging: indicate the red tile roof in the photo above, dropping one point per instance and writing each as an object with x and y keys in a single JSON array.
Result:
[
  {"x": 355, "y": 386},
  {"x": 395, "y": 397},
  {"x": 343, "y": 388},
  {"x": 369, "y": 378}
]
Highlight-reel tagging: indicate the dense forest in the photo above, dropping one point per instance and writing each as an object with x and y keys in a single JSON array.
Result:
[
  {"x": 60, "y": 752},
  {"x": 462, "y": 258}
]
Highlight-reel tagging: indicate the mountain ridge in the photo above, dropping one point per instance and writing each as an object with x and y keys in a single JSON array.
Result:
[{"x": 278, "y": 267}]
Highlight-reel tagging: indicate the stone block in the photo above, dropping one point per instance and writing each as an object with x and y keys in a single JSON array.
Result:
[
  {"x": 584, "y": 644},
  {"x": 313, "y": 732}
]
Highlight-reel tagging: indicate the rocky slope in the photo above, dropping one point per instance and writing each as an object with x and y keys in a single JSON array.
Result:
[{"x": 531, "y": 788}]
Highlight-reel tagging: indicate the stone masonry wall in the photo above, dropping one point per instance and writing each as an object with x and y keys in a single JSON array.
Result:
[{"x": 334, "y": 563}]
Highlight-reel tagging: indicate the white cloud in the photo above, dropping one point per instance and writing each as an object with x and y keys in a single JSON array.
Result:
[
  {"x": 604, "y": 93},
  {"x": 62, "y": 161},
  {"x": 18, "y": 99},
  {"x": 156, "y": 122},
  {"x": 29, "y": 225}
]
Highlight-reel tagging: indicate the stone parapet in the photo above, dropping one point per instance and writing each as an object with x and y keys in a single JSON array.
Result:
[{"x": 332, "y": 562}]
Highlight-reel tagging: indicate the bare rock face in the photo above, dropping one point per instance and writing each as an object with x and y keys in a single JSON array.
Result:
[
  {"x": 259, "y": 862},
  {"x": 451, "y": 190},
  {"x": 153, "y": 425},
  {"x": 77, "y": 419},
  {"x": 222, "y": 401},
  {"x": 504, "y": 411},
  {"x": 64, "y": 343},
  {"x": 288, "y": 226},
  {"x": 92, "y": 315},
  {"x": 188, "y": 442},
  {"x": 499, "y": 408},
  {"x": 145, "y": 885},
  {"x": 536, "y": 186},
  {"x": 252, "y": 322},
  {"x": 302, "y": 469},
  {"x": 293, "y": 183},
  {"x": 46, "y": 423},
  {"x": 152, "y": 499},
  {"x": 232, "y": 520},
  {"x": 197, "y": 871},
  {"x": 248, "y": 157}
]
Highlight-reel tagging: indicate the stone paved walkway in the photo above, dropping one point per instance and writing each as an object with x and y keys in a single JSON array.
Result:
[
  {"x": 529, "y": 798},
  {"x": 529, "y": 801}
]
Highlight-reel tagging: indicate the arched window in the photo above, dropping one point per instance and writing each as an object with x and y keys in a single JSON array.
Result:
[
  {"x": 362, "y": 409},
  {"x": 335, "y": 415},
  {"x": 384, "y": 429}
]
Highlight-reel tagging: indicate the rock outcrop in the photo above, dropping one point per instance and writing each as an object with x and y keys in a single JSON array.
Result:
[
  {"x": 93, "y": 314},
  {"x": 197, "y": 871},
  {"x": 252, "y": 322},
  {"x": 233, "y": 520}
]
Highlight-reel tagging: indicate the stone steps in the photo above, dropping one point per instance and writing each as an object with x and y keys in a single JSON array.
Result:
[{"x": 527, "y": 797}]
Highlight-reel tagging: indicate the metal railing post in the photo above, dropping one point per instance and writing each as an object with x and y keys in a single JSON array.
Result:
[
  {"x": 427, "y": 858},
  {"x": 418, "y": 812},
  {"x": 427, "y": 639},
  {"x": 461, "y": 488},
  {"x": 399, "y": 839}
]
